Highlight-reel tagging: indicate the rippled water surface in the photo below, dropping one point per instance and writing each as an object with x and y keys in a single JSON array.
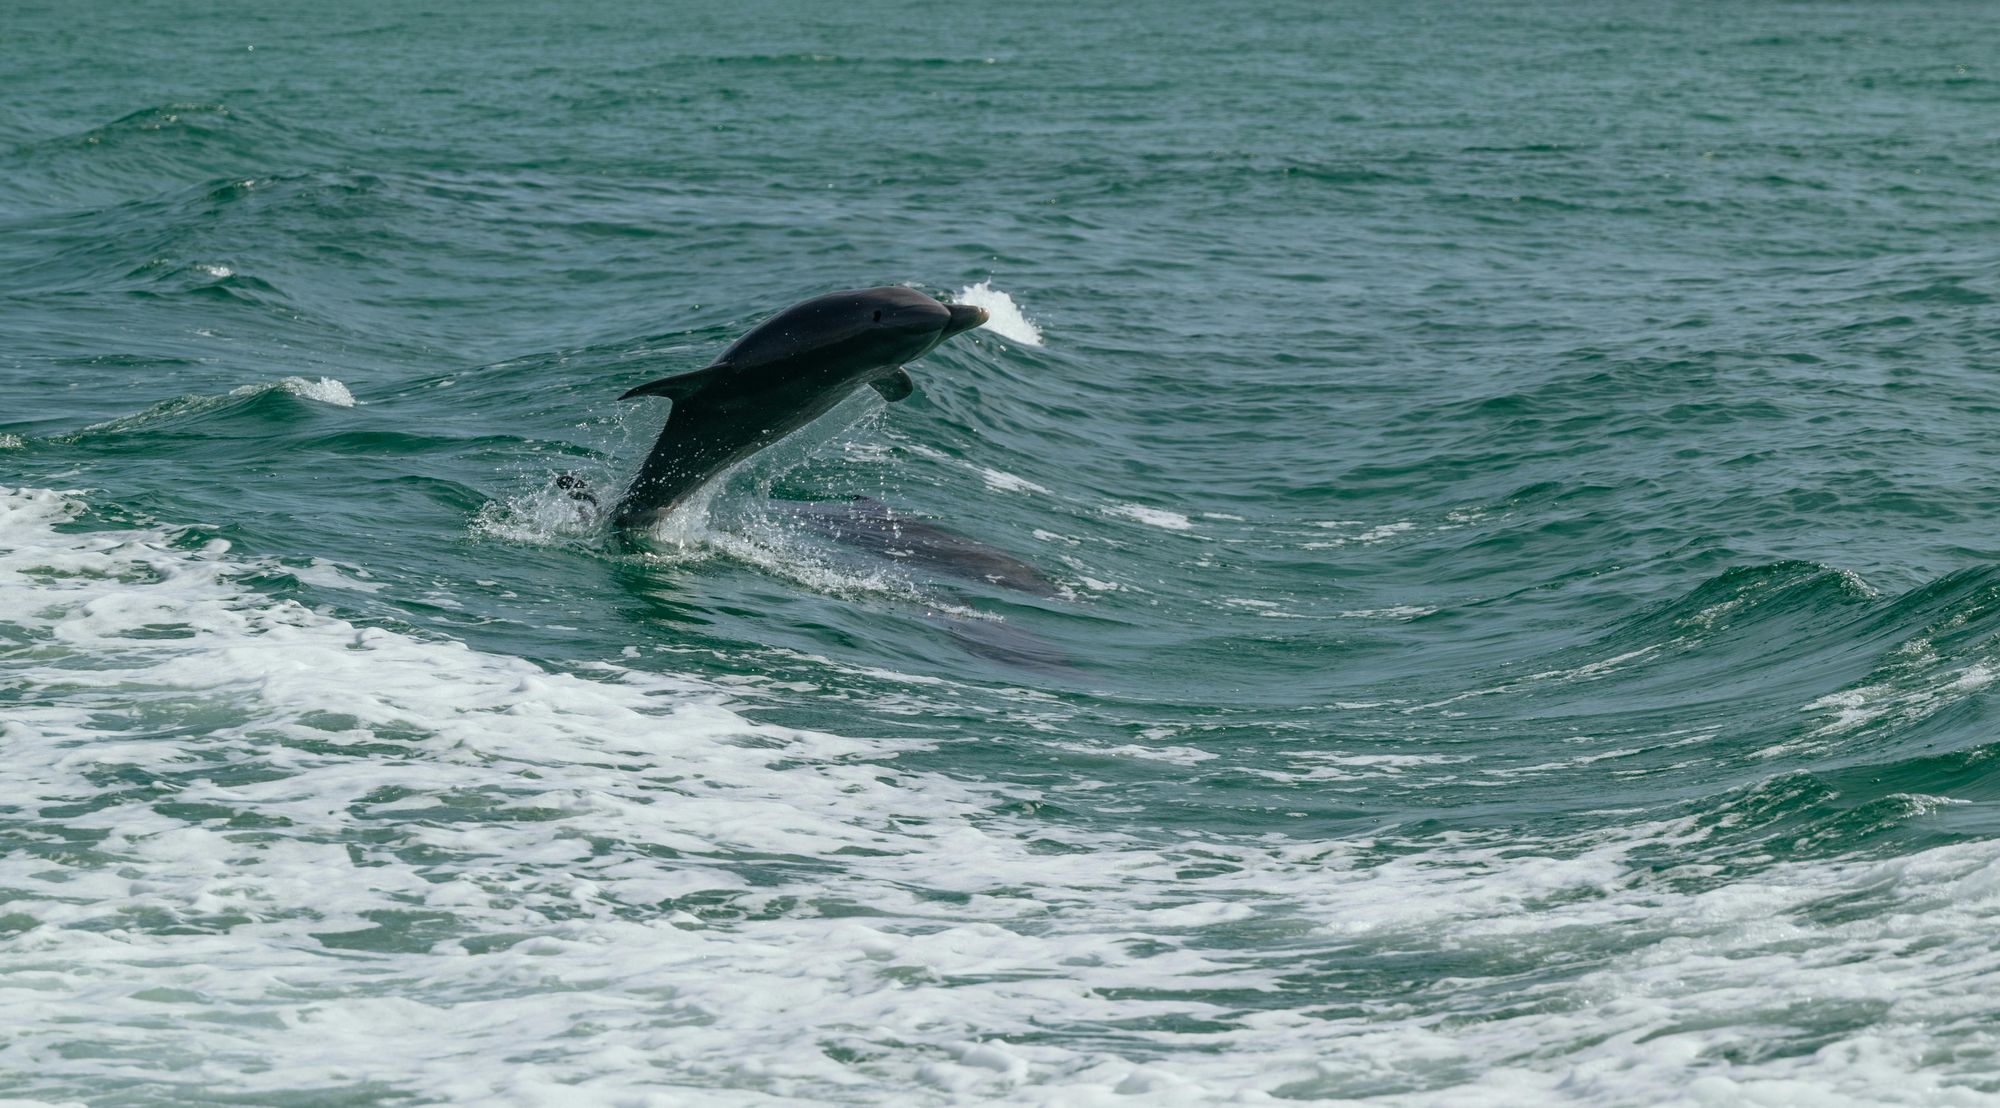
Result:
[{"x": 1513, "y": 484}]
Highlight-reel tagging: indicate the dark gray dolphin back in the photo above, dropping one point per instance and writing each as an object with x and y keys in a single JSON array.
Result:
[{"x": 868, "y": 324}]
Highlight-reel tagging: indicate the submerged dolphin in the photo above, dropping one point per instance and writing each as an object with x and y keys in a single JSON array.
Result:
[
  {"x": 785, "y": 373},
  {"x": 875, "y": 527}
]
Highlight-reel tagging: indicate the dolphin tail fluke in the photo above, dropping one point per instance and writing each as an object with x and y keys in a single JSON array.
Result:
[
  {"x": 895, "y": 386},
  {"x": 680, "y": 386}
]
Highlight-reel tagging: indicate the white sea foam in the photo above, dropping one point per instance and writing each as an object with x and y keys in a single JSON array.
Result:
[
  {"x": 1177, "y": 755},
  {"x": 11, "y": 442},
  {"x": 1157, "y": 517},
  {"x": 1269, "y": 609},
  {"x": 260, "y": 853},
  {"x": 325, "y": 390},
  {"x": 1004, "y": 318},
  {"x": 1921, "y": 685},
  {"x": 1377, "y": 534},
  {"x": 1366, "y": 537},
  {"x": 1000, "y": 481},
  {"x": 329, "y": 575}
]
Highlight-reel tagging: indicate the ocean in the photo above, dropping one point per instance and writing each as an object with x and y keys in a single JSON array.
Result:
[{"x": 1516, "y": 483}]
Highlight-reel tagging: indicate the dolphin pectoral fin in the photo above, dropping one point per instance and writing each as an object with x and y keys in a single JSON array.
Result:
[
  {"x": 896, "y": 386},
  {"x": 680, "y": 386}
]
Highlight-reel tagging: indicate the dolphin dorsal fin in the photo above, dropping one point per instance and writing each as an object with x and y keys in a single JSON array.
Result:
[
  {"x": 680, "y": 386},
  {"x": 894, "y": 386}
]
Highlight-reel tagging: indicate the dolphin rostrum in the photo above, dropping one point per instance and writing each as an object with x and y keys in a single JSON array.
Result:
[{"x": 786, "y": 372}]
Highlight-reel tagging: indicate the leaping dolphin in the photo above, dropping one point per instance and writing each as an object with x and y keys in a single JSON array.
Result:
[{"x": 786, "y": 372}]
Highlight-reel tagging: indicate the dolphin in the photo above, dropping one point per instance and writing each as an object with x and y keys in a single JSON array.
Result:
[
  {"x": 786, "y": 372},
  {"x": 879, "y": 529}
]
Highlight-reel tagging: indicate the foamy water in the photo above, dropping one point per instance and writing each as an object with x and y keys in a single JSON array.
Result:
[
  {"x": 325, "y": 390},
  {"x": 1156, "y": 517},
  {"x": 1004, "y": 317},
  {"x": 368, "y": 858},
  {"x": 1521, "y": 612}
]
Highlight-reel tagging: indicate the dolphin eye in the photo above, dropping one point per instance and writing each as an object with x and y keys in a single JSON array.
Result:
[{"x": 878, "y": 315}]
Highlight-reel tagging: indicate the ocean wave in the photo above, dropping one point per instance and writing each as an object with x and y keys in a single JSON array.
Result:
[
  {"x": 245, "y": 400},
  {"x": 185, "y": 142},
  {"x": 396, "y": 826}
]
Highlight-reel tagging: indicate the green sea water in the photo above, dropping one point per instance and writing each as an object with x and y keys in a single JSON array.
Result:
[{"x": 1518, "y": 480}]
